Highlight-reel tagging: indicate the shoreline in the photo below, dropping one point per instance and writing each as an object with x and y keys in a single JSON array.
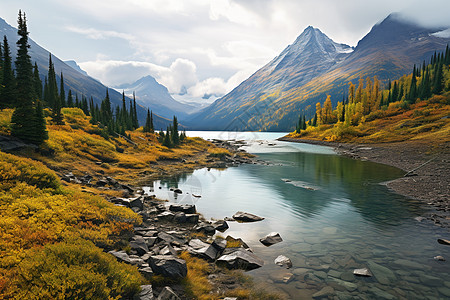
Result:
[{"x": 428, "y": 167}]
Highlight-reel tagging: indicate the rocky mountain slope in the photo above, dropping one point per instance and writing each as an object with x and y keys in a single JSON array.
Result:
[{"x": 314, "y": 66}]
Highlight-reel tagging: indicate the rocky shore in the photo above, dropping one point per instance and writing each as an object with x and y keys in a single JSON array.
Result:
[{"x": 426, "y": 166}]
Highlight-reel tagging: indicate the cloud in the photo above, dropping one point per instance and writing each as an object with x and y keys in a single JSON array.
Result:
[
  {"x": 178, "y": 77},
  {"x": 96, "y": 34}
]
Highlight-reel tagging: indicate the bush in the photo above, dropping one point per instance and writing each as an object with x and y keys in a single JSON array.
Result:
[{"x": 73, "y": 270}]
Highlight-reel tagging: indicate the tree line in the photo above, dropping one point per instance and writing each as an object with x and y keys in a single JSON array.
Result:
[
  {"x": 365, "y": 100},
  {"x": 22, "y": 89}
]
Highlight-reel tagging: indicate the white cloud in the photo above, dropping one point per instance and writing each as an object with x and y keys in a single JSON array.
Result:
[{"x": 96, "y": 34}]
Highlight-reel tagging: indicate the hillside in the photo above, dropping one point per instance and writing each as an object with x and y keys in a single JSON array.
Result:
[{"x": 274, "y": 97}]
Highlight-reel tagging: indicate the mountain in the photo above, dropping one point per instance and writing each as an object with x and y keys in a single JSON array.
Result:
[
  {"x": 315, "y": 66},
  {"x": 73, "y": 64},
  {"x": 155, "y": 96},
  {"x": 73, "y": 79}
]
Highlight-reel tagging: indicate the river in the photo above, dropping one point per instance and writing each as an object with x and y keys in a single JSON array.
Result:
[{"x": 334, "y": 215}]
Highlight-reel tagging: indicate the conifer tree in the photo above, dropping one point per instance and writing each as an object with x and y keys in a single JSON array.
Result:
[
  {"x": 134, "y": 112},
  {"x": 25, "y": 117},
  {"x": 148, "y": 127},
  {"x": 8, "y": 94},
  {"x": 69, "y": 99},
  {"x": 413, "y": 88},
  {"x": 175, "y": 135},
  {"x": 37, "y": 83},
  {"x": 438, "y": 77},
  {"x": 62, "y": 92}
]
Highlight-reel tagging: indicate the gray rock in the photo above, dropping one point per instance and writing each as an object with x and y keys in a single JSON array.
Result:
[
  {"x": 168, "y": 265},
  {"x": 167, "y": 294},
  {"x": 246, "y": 217},
  {"x": 192, "y": 218},
  {"x": 206, "y": 228},
  {"x": 271, "y": 239},
  {"x": 439, "y": 258},
  {"x": 197, "y": 244},
  {"x": 180, "y": 217},
  {"x": 146, "y": 293},
  {"x": 362, "y": 272},
  {"x": 147, "y": 272},
  {"x": 137, "y": 202},
  {"x": 219, "y": 244},
  {"x": 323, "y": 293},
  {"x": 405, "y": 263},
  {"x": 150, "y": 241},
  {"x": 186, "y": 208},
  {"x": 348, "y": 285},
  {"x": 171, "y": 239},
  {"x": 283, "y": 261},
  {"x": 209, "y": 252},
  {"x": 101, "y": 182},
  {"x": 165, "y": 216},
  {"x": 241, "y": 259},
  {"x": 168, "y": 250},
  {"x": 430, "y": 280},
  {"x": 220, "y": 225},
  {"x": 382, "y": 274},
  {"x": 380, "y": 294},
  {"x": 139, "y": 244},
  {"x": 121, "y": 256}
]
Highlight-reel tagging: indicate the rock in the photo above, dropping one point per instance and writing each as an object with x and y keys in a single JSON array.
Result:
[
  {"x": 404, "y": 263},
  {"x": 192, "y": 218},
  {"x": 380, "y": 294},
  {"x": 220, "y": 225},
  {"x": 362, "y": 272},
  {"x": 127, "y": 187},
  {"x": 233, "y": 243},
  {"x": 186, "y": 208},
  {"x": 271, "y": 239},
  {"x": 348, "y": 285},
  {"x": 147, "y": 272},
  {"x": 167, "y": 215},
  {"x": 241, "y": 259},
  {"x": 205, "y": 228},
  {"x": 197, "y": 244},
  {"x": 168, "y": 238},
  {"x": 138, "y": 243},
  {"x": 137, "y": 203},
  {"x": 219, "y": 244},
  {"x": 283, "y": 261},
  {"x": 168, "y": 265},
  {"x": 209, "y": 252},
  {"x": 178, "y": 191},
  {"x": 246, "y": 217},
  {"x": 167, "y": 294},
  {"x": 146, "y": 293},
  {"x": 439, "y": 258},
  {"x": 180, "y": 217},
  {"x": 382, "y": 274},
  {"x": 443, "y": 242},
  {"x": 101, "y": 182},
  {"x": 150, "y": 240},
  {"x": 135, "y": 260},
  {"x": 430, "y": 280},
  {"x": 121, "y": 256},
  {"x": 419, "y": 219},
  {"x": 168, "y": 250},
  {"x": 323, "y": 293}
]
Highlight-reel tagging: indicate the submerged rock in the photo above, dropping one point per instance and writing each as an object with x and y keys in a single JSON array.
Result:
[
  {"x": 246, "y": 217},
  {"x": 443, "y": 242},
  {"x": 271, "y": 239},
  {"x": 439, "y": 258},
  {"x": 362, "y": 272},
  {"x": 283, "y": 261},
  {"x": 324, "y": 293}
]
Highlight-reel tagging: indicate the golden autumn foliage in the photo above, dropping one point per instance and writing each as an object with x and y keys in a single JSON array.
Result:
[{"x": 49, "y": 238}]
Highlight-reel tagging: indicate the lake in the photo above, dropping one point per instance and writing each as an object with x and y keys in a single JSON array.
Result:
[{"x": 334, "y": 215}]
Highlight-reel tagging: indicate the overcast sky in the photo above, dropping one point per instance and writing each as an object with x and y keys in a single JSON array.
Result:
[{"x": 197, "y": 47}]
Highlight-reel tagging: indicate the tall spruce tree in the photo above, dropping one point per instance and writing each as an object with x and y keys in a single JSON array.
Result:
[
  {"x": 148, "y": 126},
  {"x": 8, "y": 94},
  {"x": 69, "y": 99},
  {"x": 37, "y": 82},
  {"x": 62, "y": 92},
  {"x": 25, "y": 116},
  {"x": 135, "y": 118}
]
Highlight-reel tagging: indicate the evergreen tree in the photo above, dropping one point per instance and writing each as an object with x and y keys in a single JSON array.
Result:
[
  {"x": 8, "y": 94},
  {"x": 413, "y": 88},
  {"x": 135, "y": 118},
  {"x": 148, "y": 127},
  {"x": 37, "y": 83},
  {"x": 40, "y": 124},
  {"x": 438, "y": 77},
  {"x": 167, "y": 141},
  {"x": 175, "y": 135},
  {"x": 62, "y": 92},
  {"x": 25, "y": 117},
  {"x": 395, "y": 92},
  {"x": 314, "y": 121},
  {"x": 69, "y": 99},
  {"x": 52, "y": 91},
  {"x": 152, "y": 127},
  {"x": 105, "y": 110}
]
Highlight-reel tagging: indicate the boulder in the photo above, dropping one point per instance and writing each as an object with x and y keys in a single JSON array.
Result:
[
  {"x": 171, "y": 239},
  {"x": 138, "y": 244},
  {"x": 147, "y": 272},
  {"x": 167, "y": 294},
  {"x": 246, "y": 217},
  {"x": 197, "y": 244},
  {"x": 168, "y": 265},
  {"x": 146, "y": 293},
  {"x": 283, "y": 261},
  {"x": 439, "y": 258},
  {"x": 324, "y": 293},
  {"x": 192, "y": 218},
  {"x": 186, "y": 208},
  {"x": 168, "y": 250},
  {"x": 443, "y": 242},
  {"x": 362, "y": 272},
  {"x": 209, "y": 252},
  {"x": 220, "y": 225},
  {"x": 178, "y": 191},
  {"x": 165, "y": 216},
  {"x": 219, "y": 244},
  {"x": 271, "y": 239},
  {"x": 241, "y": 259},
  {"x": 127, "y": 188},
  {"x": 121, "y": 256},
  {"x": 138, "y": 202},
  {"x": 101, "y": 182},
  {"x": 206, "y": 228},
  {"x": 233, "y": 243},
  {"x": 180, "y": 217}
]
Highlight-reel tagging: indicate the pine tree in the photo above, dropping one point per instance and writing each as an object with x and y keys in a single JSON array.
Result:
[
  {"x": 40, "y": 123},
  {"x": 62, "y": 92},
  {"x": 175, "y": 135},
  {"x": 8, "y": 94},
  {"x": 438, "y": 77},
  {"x": 69, "y": 99},
  {"x": 37, "y": 83},
  {"x": 148, "y": 125},
  {"x": 413, "y": 88},
  {"x": 25, "y": 117},
  {"x": 135, "y": 118}
]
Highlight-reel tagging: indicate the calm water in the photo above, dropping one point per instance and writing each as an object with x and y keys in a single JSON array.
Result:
[{"x": 334, "y": 215}]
